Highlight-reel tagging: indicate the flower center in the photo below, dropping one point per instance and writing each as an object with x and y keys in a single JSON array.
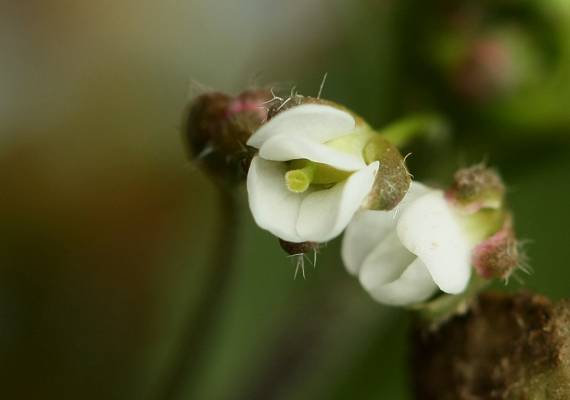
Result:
[
  {"x": 298, "y": 180},
  {"x": 304, "y": 173}
]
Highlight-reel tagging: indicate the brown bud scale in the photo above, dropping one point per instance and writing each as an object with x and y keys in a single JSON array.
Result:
[{"x": 298, "y": 248}]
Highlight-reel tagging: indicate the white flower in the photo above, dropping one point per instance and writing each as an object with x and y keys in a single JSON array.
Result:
[
  {"x": 309, "y": 177},
  {"x": 403, "y": 256}
]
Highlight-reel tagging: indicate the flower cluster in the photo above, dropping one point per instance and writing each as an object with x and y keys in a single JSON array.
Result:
[{"x": 316, "y": 169}]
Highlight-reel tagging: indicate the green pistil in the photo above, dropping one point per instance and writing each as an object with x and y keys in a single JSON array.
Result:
[
  {"x": 304, "y": 173},
  {"x": 375, "y": 149},
  {"x": 298, "y": 180}
]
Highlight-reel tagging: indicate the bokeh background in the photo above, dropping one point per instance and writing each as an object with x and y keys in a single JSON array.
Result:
[{"x": 105, "y": 224}]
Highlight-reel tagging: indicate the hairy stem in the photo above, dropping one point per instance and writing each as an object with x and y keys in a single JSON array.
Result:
[
  {"x": 509, "y": 346},
  {"x": 198, "y": 327}
]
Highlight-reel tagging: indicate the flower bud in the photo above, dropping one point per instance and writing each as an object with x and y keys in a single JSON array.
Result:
[
  {"x": 475, "y": 188},
  {"x": 498, "y": 256},
  {"x": 496, "y": 63},
  {"x": 392, "y": 180},
  {"x": 218, "y": 126}
]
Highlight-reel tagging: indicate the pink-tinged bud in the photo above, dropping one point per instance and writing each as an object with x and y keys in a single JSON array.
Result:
[
  {"x": 495, "y": 63},
  {"x": 294, "y": 249},
  {"x": 218, "y": 127},
  {"x": 476, "y": 188},
  {"x": 485, "y": 71},
  {"x": 498, "y": 256}
]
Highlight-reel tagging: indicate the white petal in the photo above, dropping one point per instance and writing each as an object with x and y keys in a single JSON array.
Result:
[
  {"x": 274, "y": 208},
  {"x": 415, "y": 191},
  {"x": 285, "y": 148},
  {"x": 385, "y": 262},
  {"x": 368, "y": 228},
  {"x": 429, "y": 229},
  {"x": 325, "y": 213},
  {"x": 392, "y": 275},
  {"x": 317, "y": 122}
]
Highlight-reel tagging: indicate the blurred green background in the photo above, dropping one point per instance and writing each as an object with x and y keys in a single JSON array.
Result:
[{"x": 105, "y": 224}]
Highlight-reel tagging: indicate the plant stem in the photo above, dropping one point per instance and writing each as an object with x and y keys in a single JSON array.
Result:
[
  {"x": 404, "y": 131},
  {"x": 509, "y": 346},
  {"x": 445, "y": 306},
  {"x": 293, "y": 350},
  {"x": 301, "y": 344},
  {"x": 198, "y": 327}
]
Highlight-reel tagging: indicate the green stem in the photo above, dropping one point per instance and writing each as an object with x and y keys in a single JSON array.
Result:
[
  {"x": 199, "y": 326},
  {"x": 300, "y": 343},
  {"x": 404, "y": 131},
  {"x": 446, "y": 306}
]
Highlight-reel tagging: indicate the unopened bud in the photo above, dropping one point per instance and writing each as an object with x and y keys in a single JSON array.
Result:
[
  {"x": 496, "y": 63},
  {"x": 498, "y": 256},
  {"x": 218, "y": 126},
  {"x": 475, "y": 188},
  {"x": 392, "y": 180}
]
